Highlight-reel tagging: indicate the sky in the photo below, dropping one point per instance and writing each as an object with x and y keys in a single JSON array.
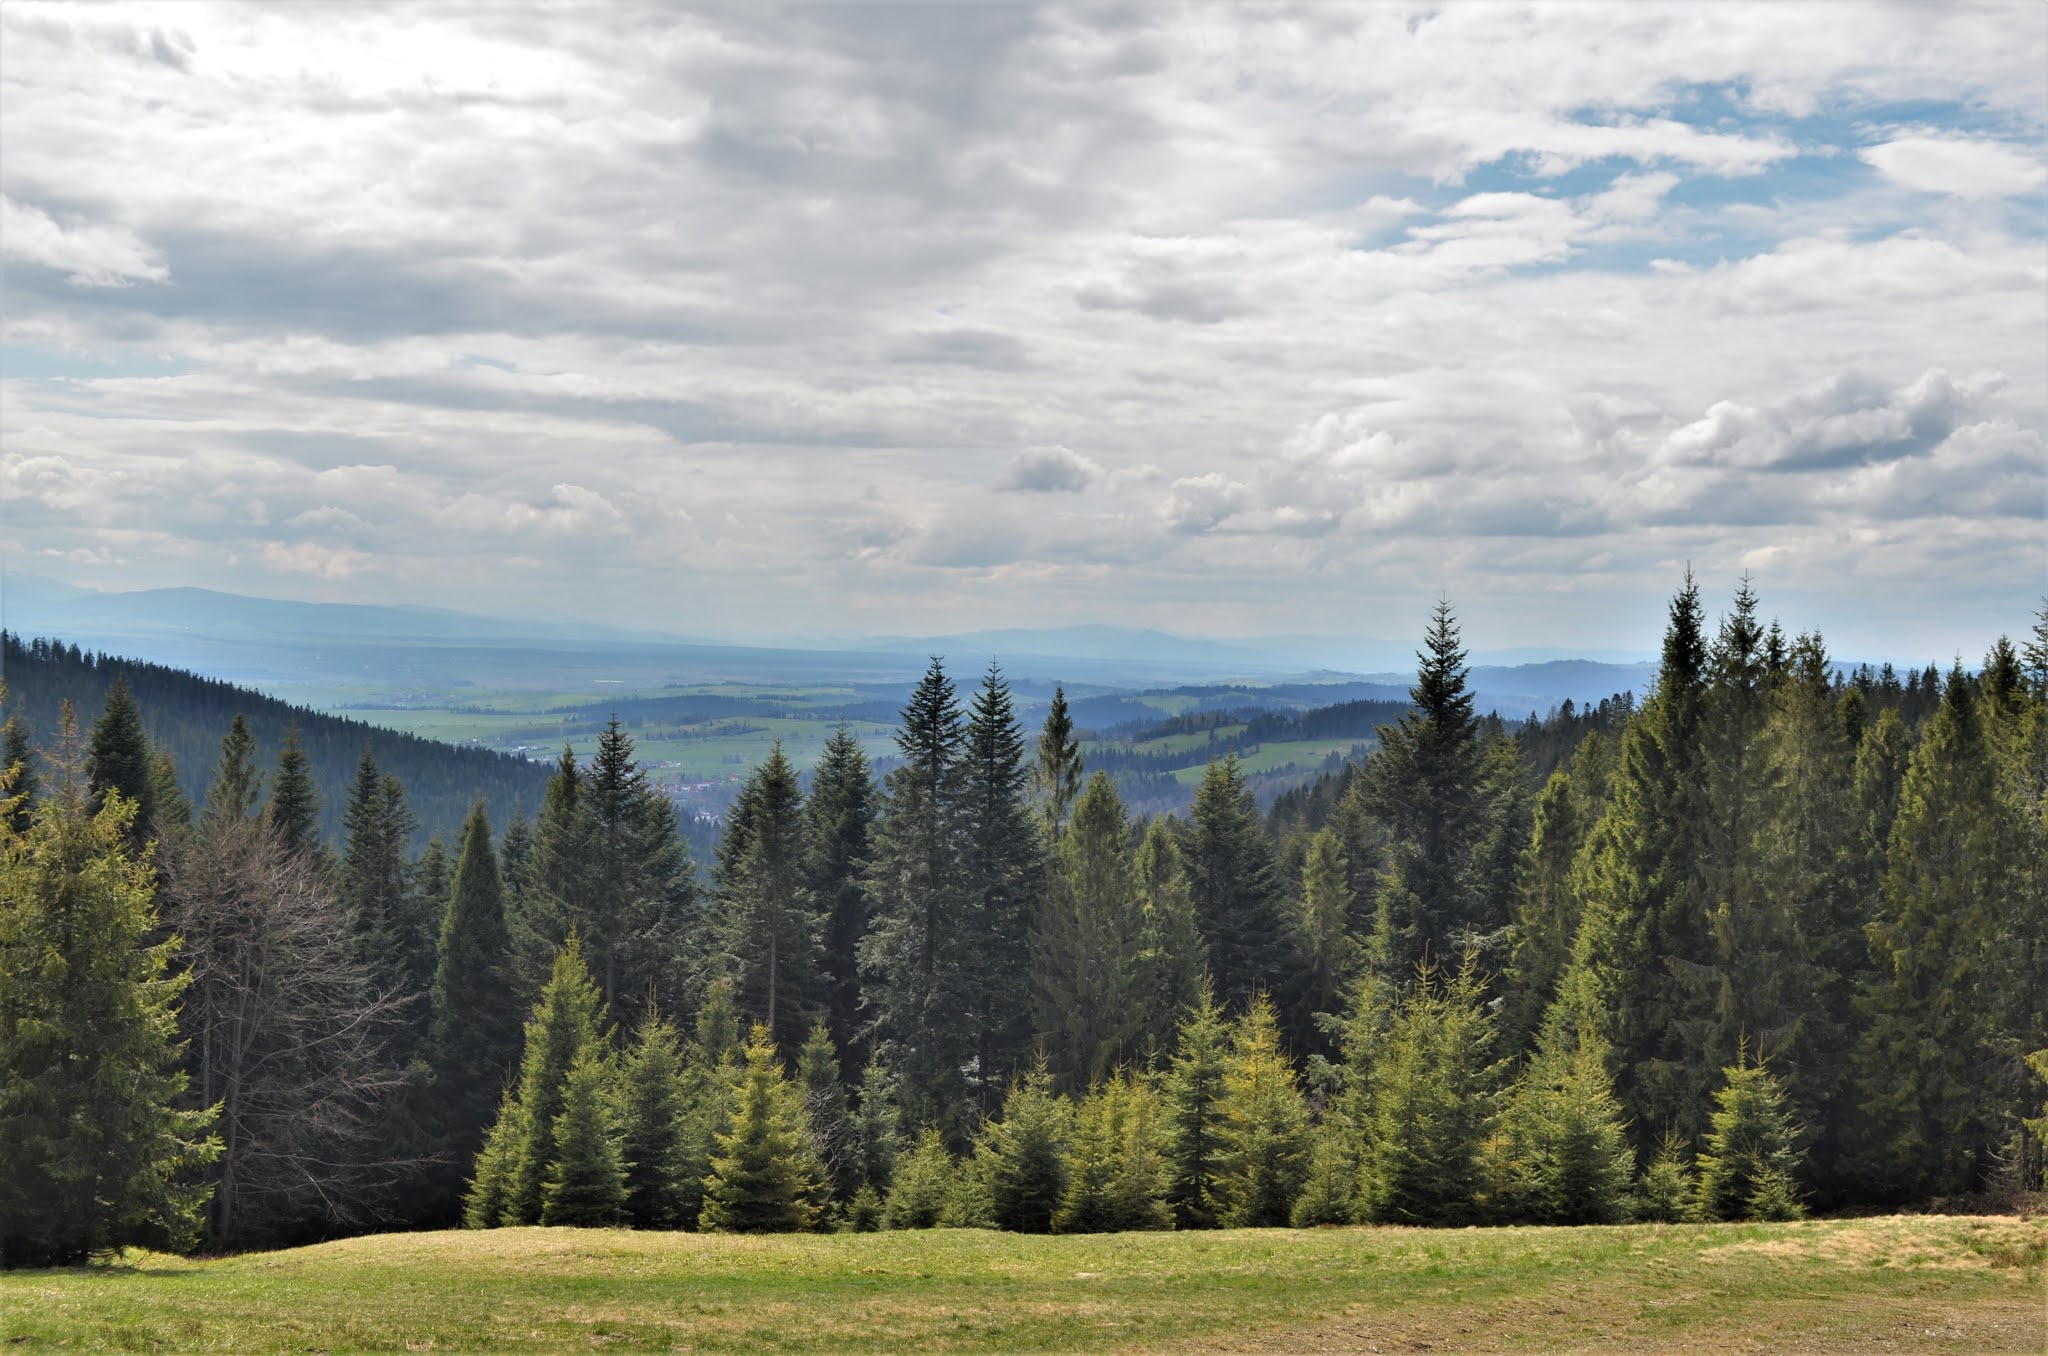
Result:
[{"x": 794, "y": 322}]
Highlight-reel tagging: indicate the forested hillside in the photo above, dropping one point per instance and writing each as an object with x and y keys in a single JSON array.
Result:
[
  {"x": 1773, "y": 939},
  {"x": 186, "y": 714}
]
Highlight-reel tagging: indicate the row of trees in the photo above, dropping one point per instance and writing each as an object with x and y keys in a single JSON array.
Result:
[
  {"x": 1418, "y": 1124},
  {"x": 1766, "y": 886}
]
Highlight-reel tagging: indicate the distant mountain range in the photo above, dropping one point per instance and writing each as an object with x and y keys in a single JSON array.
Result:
[{"x": 285, "y": 646}]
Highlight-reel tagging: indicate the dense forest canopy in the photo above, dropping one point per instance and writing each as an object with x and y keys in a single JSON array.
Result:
[
  {"x": 1771, "y": 938},
  {"x": 185, "y": 715}
]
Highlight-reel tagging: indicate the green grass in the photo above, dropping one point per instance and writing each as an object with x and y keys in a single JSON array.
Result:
[
  {"x": 1899, "y": 1284},
  {"x": 1300, "y": 754}
]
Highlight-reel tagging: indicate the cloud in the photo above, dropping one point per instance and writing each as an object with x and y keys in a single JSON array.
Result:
[
  {"x": 1051, "y": 470},
  {"x": 969, "y": 348},
  {"x": 1962, "y": 167},
  {"x": 88, "y": 254},
  {"x": 1200, "y": 503},
  {"x": 1849, "y": 421},
  {"x": 542, "y": 312}
]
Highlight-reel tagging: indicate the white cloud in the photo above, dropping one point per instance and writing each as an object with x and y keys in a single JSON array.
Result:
[
  {"x": 1954, "y": 165},
  {"x": 89, "y": 254}
]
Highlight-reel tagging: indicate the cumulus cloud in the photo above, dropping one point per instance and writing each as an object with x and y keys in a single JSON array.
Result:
[
  {"x": 1963, "y": 167},
  {"x": 1850, "y": 420},
  {"x": 1051, "y": 470}
]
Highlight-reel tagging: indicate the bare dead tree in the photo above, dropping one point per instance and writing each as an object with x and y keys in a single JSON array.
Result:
[{"x": 287, "y": 1035}]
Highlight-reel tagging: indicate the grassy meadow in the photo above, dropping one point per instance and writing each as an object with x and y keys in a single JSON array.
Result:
[{"x": 1899, "y": 1284}]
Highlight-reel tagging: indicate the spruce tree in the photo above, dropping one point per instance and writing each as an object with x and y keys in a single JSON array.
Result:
[
  {"x": 1751, "y": 1162},
  {"x": 1056, "y": 776},
  {"x": 608, "y": 865},
  {"x": 827, "y": 1113},
  {"x": 1432, "y": 1096},
  {"x": 1930, "y": 1065},
  {"x": 18, "y": 758},
  {"x": 877, "y": 1135},
  {"x": 1668, "y": 1192},
  {"x": 764, "y": 1177},
  {"x": 490, "y": 1182},
  {"x": 1424, "y": 784},
  {"x": 99, "y": 1156},
  {"x": 1262, "y": 1126},
  {"x": 1024, "y": 1155},
  {"x": 294, "y": 810},
  {"x": 766, "y": 926},
  {"x": 923, "y": 1181},
  {"x": 1560, "y": 1151},
  {"x": 1194, "y": 1094},
  {"x": 1116, "y": 1174},
  {"x": 172, "y": 812},
  {"x": 1171, "y": 957},
  {"x": 586, "y": 1179},
  {"x": 642, "y": 883},
  {"x": 559, "y": 898},
  {"x": 117, "y": 759},
  {"x": 1137, "y": 1188},
  {"x": 475, "y": 1007},
  {"x": 565, "y": 1024},
  {"x": 1329, "y": 1188},
  {"x": 237, "y": 787},
  {"x": 392, "y": 935},
  {"x": 1752, "y": 975},
  {"x": 838, "y": 815},
  {"x": 912, "y": 961},
  {"x": 1087, "y": 944},
  {"x": 1229, "y": 862},
  {"x": 710, "y": 1074},
  {"x": 1323, "y": 942},
  {"x": 1818, "y": 895},
  {"x": 651, "y": 1115},
  {"x": 432, "y": 883},
  {"x": 1644, "y": 917},
  {"x": 1002, "y": 877},
  {"x": 1546, "y": 910},
  {"x": 515, "y": 864}
]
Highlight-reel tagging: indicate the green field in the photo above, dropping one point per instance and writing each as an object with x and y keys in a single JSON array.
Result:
[
  {"x": 711, "y": 749},
  {"x": 1926, "y": 1283}
]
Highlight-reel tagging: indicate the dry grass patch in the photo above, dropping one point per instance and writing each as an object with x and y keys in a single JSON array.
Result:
[{"x": 1901, "y": 1284}]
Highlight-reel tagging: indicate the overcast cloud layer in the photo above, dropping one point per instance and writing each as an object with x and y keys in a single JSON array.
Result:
[{"x": 758, "y": 321}]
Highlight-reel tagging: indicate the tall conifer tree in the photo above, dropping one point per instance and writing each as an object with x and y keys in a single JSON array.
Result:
[
  {"x": 651, "y": 1117},
  {"x": 98, "y": 1156},
  {"x": 767, "y": 925},
  {"x": 1932, "y": 1066},
  {"x": 18, "y": 756},
  {"x": 1230, "y": 868},
  {"x": 117, "y": 759},
  {"x": 912, "y": 959},
  {"x": 838, "y": 815},
  {"x": 565, "y": 1025},
  {"x": 1003, "y": 874},
  {"x": 294, "y": 809},
  {"x": 1262, "y": 1126},
  {"x": 1644, "y": 915},
  {"x": 1088, "y": 943},
  {"x": 475, "y": 1007},
  {"x": 1171, "y": 958},
  {"x": 1424, "y": 784},
  {"x": 1193, "y": 1094},
  {"x": 1056, "y": 775}
]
